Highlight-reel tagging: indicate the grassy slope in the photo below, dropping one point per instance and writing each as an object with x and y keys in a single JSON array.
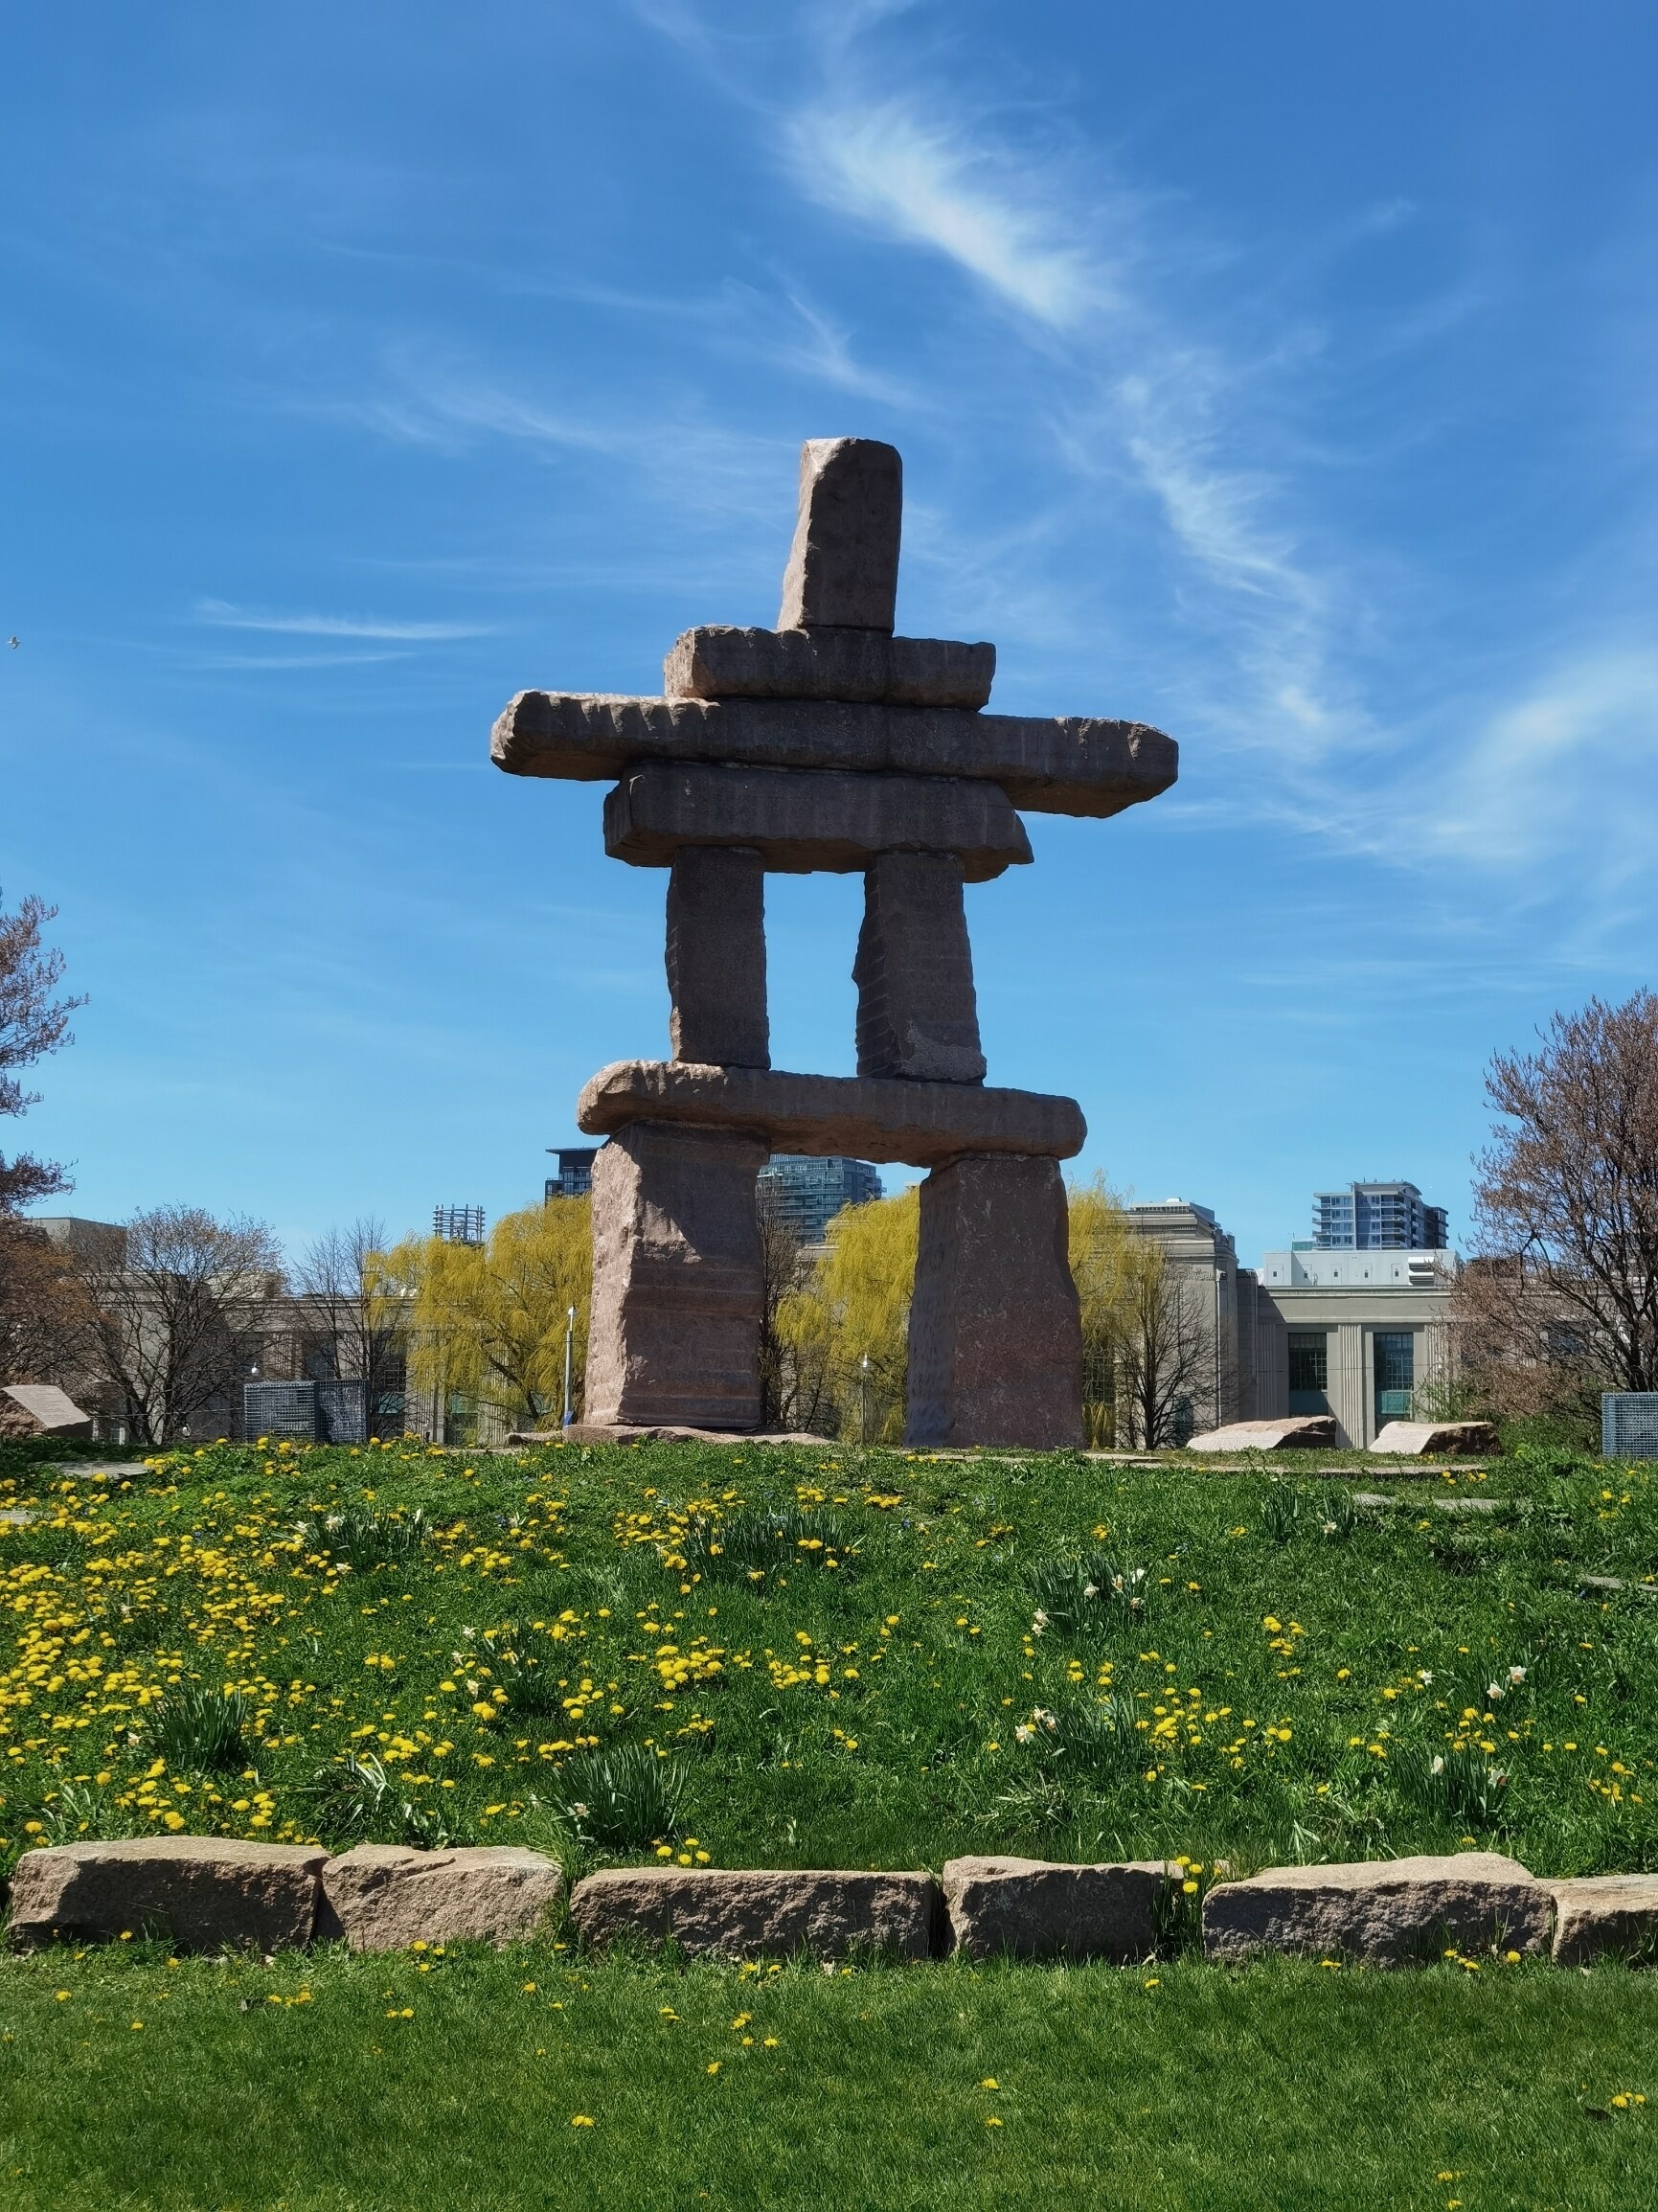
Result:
[
  {"x": 1178, "y": 2087},
  {"x": 865, "y": 1713}
]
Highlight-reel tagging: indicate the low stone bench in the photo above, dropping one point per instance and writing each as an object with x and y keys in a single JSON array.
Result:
[
  {"x": 743, "y": 1912},
  {"x": 201, "y": 1892},
  {"x": 383, "y": 1897},
  {"x": 1385, "y": 1912},
  {"x": 1034, "y": 1909},
  {"x": 1606, "y": 1916}
]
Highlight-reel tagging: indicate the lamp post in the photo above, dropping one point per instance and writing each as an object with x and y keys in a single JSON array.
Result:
[
  {"x": 569, "y": 1359},
  {"x": 864, "y": 1399}
]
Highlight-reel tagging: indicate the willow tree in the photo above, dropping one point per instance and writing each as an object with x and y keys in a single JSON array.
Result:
[
  {"x": 1107, "y": 1261},
  {"x": 486, "y": 1322},
  {"x": 845, "y": 1331}
]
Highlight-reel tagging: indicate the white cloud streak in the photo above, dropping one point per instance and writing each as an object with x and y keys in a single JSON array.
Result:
[{"x": 222, "y": 614}]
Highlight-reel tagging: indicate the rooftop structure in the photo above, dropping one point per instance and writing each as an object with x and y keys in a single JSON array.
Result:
[
  {"x": 458, "y": 1224},
  {"x": 575, "y": 1176}
]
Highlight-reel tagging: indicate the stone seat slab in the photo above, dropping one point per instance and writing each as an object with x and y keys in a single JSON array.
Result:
[
  {"x": 1073, "y": 765},
  {"x": 1606, "y": 1916},
  {"x": 202, "y": 1892},
  {"x": 384, "y": 1897},
  {"x": 1435, "y": 1439},
  {"x": 1384, "y": 1911},
  {"x": 804, "y": 820},
  {"x": 1036, "y": 1908},
  {"x": 717, "y": 660},
  {"x": 1295, "y": 1432},
  {"x": 746, "y": 1913},
  {"x": 863, "y": 1117}
]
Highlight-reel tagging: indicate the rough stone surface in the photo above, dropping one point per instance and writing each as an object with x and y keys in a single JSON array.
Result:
[
  {"x": 921, "y": 1123},
  {"x": 746, "y": 1914},
  {"x": 801, "y": 820},
  {"x": 1437, "y": 1439},
  {"x": 843, "y": 566},
  {"x": 41, "y": 1410},
  {"x": 1030, "y": 1908},
  {"x": 716, "y": 958},
  {"x": 677, "y": 1289},
  {"x": 995, "y": 1330},
  {"x": 201, "y": 1892},
  {"x": 918, "y": 1013},
  {"x": 1295, "y": 1432},
  {"x": 1388, "y": 1912},
  {"x": 594, "y": 1432},
  {"x": 716, "y": 661},
  {"x": 1606, "y": 1916},
  {"x": 1073, "y": 765},
  {"x": 381, "y": 1896}
]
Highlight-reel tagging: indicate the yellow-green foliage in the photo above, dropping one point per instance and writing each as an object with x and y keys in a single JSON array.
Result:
[
  {"x": 487, "y": 1321},
  {"x": 1116, "y": 1274},
  {"x": 856, "y": 1304}
]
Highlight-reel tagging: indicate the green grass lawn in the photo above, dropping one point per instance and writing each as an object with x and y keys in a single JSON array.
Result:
[{"x": 325, "y": 2084}]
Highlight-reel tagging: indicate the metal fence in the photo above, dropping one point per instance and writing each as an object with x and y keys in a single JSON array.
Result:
[
  {"x": 279, "y": 1409},
  {"x": 1629, "y": 1424}
]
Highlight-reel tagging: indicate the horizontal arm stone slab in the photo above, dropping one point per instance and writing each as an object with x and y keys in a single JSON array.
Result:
[
  {"x": 864, "y": 1117},
  {"x": 801, "y": 820},
  {"x": 1073, "y": 764},
  {"x": 718, "y": 661}
]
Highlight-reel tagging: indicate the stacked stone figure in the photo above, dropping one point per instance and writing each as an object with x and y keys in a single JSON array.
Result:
[{"x": 829, "y": 743}]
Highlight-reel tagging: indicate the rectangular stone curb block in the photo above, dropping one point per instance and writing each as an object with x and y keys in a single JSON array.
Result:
[
  {"x": 749, "y": 1912},
  {"x": 863, "y": 667},
  {"x": 1033, "y": 1909},
  {"x": 805, "y": 820},
  {"x": 1060, "y": 764},
  {"x": 866, "y": 1117},
  {"x": 1385, "y": 1912},
  {"x": 1606, "y": 1916},
  {"x": 201, "y": 1892},
  {"x": 381, "y": 1896}
]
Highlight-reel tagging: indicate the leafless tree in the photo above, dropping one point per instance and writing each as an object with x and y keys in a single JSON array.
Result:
[
  {"x": 42, "y": 1305},
  {"x": 351, "y": 1327},
  {"x": 780, "y": 1257},
  {"x": 174, "y": 1330},
  {"x": 1561, "y": 1300},
  {"x": 33, "y": 1023},
  {"x": 1165, "y": 1356}
]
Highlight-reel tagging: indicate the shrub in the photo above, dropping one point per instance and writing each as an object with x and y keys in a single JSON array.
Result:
[
  {"x": 623, "y": 1799},
  {"x": 199, "y": 1730}
]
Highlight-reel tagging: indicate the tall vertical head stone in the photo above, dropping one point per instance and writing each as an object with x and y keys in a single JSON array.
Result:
[{"x": 843, "y": 567}]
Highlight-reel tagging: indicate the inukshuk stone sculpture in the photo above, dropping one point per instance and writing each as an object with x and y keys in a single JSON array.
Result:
[{"x": 829, "y": 743}]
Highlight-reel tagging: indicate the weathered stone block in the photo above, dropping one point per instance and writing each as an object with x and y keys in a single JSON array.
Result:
[
  {"x": 718, "y": 662},
  {"x": 1437, "y": 1439},
  {"x": 201, "y": 1892},
  {"x": 922, "y": 1123},
  {"x": 1073, "y": 764},
  {"x": 381, "y": 1896},
  {"x": 745, "y": 1914},
  {"x": 1030, "y": 1908},
  {"x": 677, "y": 1289},
  {"x": 1386, "y": 1911},
  {"x": 1295, "y": 1432},
  {"x": 843, "y": 566},
  {"x": 917, "y": 1014},
  {"x": 1606, "y": 1916},
  {"x": 995, "y": 1330},
  {"x": 716, "y": 958},
  {"x": 800, "y": 820},
  {"x": 41, "y": 1410}
]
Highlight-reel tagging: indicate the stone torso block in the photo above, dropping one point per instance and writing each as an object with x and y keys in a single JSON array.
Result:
[
  {"x": 917, "y": 1014},
  {"x": 677, "y": 1287},
  {"x": 995, "y": 1329},
  {"x": 716, "y": 958}
]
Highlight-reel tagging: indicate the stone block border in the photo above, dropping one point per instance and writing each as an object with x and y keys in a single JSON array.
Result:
[{"x": 211, "y": 1893}]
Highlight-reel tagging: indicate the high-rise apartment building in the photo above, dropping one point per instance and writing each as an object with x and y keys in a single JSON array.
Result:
[
  {"x": 807, "y": 1194},
  {"x": 575, "y": 1176},
  {"x": 1378, "y": 1217}
]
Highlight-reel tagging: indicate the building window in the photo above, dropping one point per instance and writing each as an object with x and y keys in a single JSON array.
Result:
[
  {"x": 1308, "y": 1371},
  {"x": 1396, "y": 1374}
]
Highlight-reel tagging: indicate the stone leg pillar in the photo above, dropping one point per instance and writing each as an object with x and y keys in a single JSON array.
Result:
[
  {"x": 717, "y": 957},
  {"x": 995, "y": 1330},
  {"x": 917, "y": 1014},
  {"x": 677, "y": 1288}
]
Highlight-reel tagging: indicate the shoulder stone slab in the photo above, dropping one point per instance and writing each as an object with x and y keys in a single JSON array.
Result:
[
  {"x": 1386, "y": 1911},
  {"x": 1071, "y": 764},
  {"x": 804, "y": 820},
  {"x": 923, "y": 1123},
  {"x": 201, "y": 1892},
  {"x": 718, "y": 661},
  {"x": 747, "y": 1914}
]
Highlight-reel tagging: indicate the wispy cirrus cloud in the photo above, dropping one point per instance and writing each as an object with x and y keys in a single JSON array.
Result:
[{"x": 223, "y": 614}]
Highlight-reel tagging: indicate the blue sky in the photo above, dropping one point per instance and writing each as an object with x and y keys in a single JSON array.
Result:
[{"x": 1282, "y": 375}]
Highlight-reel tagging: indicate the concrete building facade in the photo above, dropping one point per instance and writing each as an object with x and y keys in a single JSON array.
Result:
[{"x": 1366, "y": 1333}]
